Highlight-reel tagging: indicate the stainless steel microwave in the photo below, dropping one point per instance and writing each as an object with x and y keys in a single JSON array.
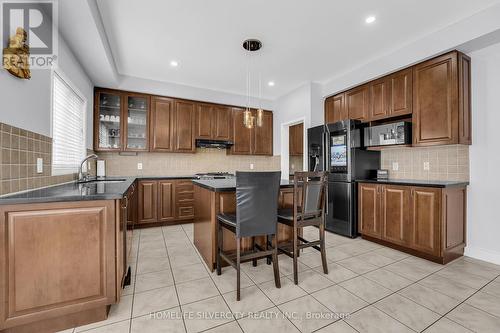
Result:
[{"x": 389, "y": 134}]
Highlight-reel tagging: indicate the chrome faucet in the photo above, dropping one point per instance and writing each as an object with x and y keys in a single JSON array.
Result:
[{"x": 85, "y": 177}]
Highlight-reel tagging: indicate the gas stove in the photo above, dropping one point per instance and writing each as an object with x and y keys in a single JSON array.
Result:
[{"x": 214, "y": 175}]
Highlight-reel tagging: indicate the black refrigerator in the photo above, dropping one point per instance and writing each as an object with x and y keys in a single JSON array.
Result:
[{"x": 337, "y": 148}]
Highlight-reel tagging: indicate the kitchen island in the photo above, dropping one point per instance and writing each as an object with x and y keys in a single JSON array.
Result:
[{"x": 216, "y": 196}]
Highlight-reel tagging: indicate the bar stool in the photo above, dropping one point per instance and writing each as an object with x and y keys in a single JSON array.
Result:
[
  {"x": 308, "y": 212},
  {"x": 256, "y": 215}
]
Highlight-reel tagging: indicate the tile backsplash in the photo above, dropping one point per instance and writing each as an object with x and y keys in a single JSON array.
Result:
[
  {"x": 176, "y": 164},
  {"x": 445, "y": 162},
  {"x": 19, "y": 152}
]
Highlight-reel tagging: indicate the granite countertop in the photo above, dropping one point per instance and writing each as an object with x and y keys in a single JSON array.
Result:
[
  {"x": 229, "y": 185},
  {"x": 77, "y": 192},
  {"x": 415, "y": 182}
]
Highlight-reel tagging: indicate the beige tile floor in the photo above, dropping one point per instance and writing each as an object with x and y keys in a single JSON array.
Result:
[{"x": 370, "y": 288}]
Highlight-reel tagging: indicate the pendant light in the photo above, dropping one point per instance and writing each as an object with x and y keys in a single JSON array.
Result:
[{"x": 249, "y": 119}]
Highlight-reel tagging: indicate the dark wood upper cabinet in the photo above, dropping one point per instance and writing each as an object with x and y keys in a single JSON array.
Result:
[
  {"x": 242, "y": 136},
  {"x": 221, "y": 124},
  {"x": 464, "y": 100},
  {"x": 263, "y": 136},
  {"x": 335, "y": 109},
  {"x": 121, "y": 121},
  {"x": 426, "y": 220},
  {"x": 396, "y": 215},
  {"x": 213, "y": 122},
  {"x": 380, "y": 99},
  {"x": 148, "y": 201},
  {"x": 436, "y": 93},
  {"x": 400, "y": 85},
  {"x": 296, "y": 140},
  {"x": 435, "y": 101},
  {"x": 369, "y": 209},
  {"x": 184, "y": 122},
  {"x": 204, "y": 120},
  {"x": 162, "y": 113},
  {"x": 166, "y": 200},
  {"x": 358, "y": 103},
  {"x": 441, "y": 101}
]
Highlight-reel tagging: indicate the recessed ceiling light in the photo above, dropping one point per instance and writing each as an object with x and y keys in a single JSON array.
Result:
[
  {"x": 270, "y": 83},
  {"x": 174, "y": 63},
  {"x": 370, "y": 19}
]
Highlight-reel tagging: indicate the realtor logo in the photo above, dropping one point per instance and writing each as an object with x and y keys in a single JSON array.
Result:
[{"x": 39, "y": 21}]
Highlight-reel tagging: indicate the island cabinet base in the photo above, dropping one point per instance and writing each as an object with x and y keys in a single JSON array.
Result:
[
  {"x": 60, "y": 264},
  {"x": 210, "y": 203}
]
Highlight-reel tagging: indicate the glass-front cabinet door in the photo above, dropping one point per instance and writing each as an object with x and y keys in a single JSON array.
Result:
[
  {"x": 136, "y": 123},
  {"x": 108, "y": 121}
]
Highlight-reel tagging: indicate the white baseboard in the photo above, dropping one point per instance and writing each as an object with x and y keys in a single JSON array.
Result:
[{"x": 483, "y": 254}]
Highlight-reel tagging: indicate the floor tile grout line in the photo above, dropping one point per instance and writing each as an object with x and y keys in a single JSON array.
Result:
[
  {"x": 477, "y": 291},
  {"x": 173, "y": 280},
  {"x": 417, "y": 282},
  {"x": 220, "y": 293}
]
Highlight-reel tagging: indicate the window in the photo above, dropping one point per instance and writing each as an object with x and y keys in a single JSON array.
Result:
[{"x": 68, "y": 127}]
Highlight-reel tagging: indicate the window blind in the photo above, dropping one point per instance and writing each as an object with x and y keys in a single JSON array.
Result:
[{"x": 68, "y": 128}]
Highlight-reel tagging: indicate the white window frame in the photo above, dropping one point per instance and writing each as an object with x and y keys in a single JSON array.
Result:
[{"x": 57, "y": 71}]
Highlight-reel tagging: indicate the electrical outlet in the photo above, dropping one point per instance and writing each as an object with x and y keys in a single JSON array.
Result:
[
  {"x": 395, "y": 166},
  {"x": 251, "y": 166},
  {"x": 293, "y": 166},
  {"x": 39, "y": 165},
  {"x": 139, "y": 166},
  {"x": 427, "y": 166}
]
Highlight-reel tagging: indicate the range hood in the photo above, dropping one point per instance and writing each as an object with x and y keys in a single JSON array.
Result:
[{"x": 219, "y": 144}]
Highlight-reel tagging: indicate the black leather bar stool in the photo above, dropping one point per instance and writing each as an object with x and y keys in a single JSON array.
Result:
[
  {"x": 256, "y": 215},
  {"x": 310, "y": 187}
]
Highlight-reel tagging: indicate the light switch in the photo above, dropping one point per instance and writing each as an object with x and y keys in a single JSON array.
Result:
[
  {"x": 427, "y": 166},
  {"x": 251, "y": 166},
  {"x": 139, "y": 166},
  {"x": 39, "y": 165},
  {"x": 395, "y": 166}
]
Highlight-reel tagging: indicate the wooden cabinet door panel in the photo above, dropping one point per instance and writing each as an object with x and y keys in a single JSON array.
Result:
[
  {"x": 369, "y": 209},
  {"x": 148, "y": 205},
  {"x": 396, "y": 215},
  {"x": 435, "y": 102},
  {"x": 335, "y": 109},
  {"x": 426, "y": 219},
  {"x": 161, "y": 124},
  {"x": 222, "y": 123},
  {"x": 57, "y": 259},
  {"x": 204, "y": 121},
  {"x": 464, "y": 100},
  {"x": 184, "y": 121},
  {"x": 380, "y": 99},
  {"x": 263, "y": 136},
  {"x": 296, "y": 139},
  {"x": 242, "y": 136},
  {"x": 166, "y": 200},
  {"x": 357, "y": 103},
  {"x": 401, "y": 84}
]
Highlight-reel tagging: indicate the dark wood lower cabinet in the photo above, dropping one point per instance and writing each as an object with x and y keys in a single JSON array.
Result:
[
  {"x": 61, "y": 264},
  {"x": 369, "y": 216},
  {"x": 424, "y": 221},
  {"x": 396, "y": 214},
  {"x": 165, "y": 201}
]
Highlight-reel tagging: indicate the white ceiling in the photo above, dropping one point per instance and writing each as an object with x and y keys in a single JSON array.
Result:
[{"x": 303, "y": 40}]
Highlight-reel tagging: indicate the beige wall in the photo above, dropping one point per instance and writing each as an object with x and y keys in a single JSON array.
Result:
[
  {"x": 446, "y": 162},
  {"x": 175, "y": 164}
]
